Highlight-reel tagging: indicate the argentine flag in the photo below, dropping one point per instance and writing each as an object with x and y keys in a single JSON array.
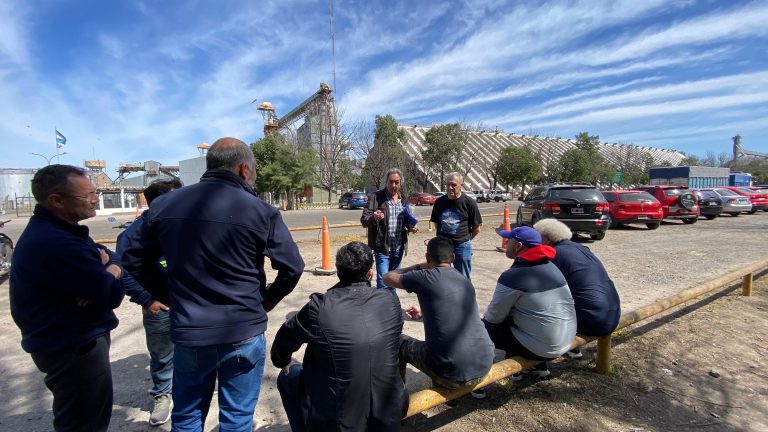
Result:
[{"x": 60, "y": 139}]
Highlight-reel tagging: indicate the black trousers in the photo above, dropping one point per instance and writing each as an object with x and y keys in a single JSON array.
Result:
[
  {"x": 80, "y": 379},
  {"x": 503, "y": 339}
]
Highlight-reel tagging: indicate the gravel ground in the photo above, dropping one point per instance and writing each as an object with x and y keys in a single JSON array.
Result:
[{"x": 645, "y": 265}]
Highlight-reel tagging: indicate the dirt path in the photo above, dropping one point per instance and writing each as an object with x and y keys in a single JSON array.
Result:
[{"x": 699, "y": 369}]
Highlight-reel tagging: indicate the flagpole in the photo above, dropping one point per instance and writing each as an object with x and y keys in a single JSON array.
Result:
[{"x": 56, "y": 142}]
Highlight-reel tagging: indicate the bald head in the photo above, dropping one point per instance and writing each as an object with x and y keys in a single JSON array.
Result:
[{"x": 233, "y": 155}]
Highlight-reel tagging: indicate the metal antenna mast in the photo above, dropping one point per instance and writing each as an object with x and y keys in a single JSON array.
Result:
[{"x": 333, "y": 44}]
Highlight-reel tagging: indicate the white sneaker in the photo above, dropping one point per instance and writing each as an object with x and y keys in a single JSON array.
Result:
[
  {"x": 161, "y": 412},
  {"x": 575, "y": 353}
]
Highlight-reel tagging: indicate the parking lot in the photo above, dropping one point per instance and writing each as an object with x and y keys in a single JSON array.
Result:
[{"x": 645, "y": 265}]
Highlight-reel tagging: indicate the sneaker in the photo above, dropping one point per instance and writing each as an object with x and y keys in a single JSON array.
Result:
[
  {"x": 161, "y": 413},
  {"x": 575, "y": 353},
  {"x": 541, "y": 370},
  {"x": 478, "y": 394}
]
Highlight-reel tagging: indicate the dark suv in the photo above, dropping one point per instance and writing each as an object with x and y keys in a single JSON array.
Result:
[{"x": 580, "y": 206}]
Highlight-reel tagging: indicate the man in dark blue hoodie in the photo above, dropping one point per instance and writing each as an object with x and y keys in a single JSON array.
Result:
[
  {"x": 215, "y": 236},
  {"x": 63, "y": 290},
  {"x": 155, "y": 314}
]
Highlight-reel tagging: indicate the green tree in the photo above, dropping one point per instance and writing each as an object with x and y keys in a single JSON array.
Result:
[
  {"x": 387, "y": 150},
  {"x": 281, "y": 169},
  {"x": 574, "y": 165},
  {"x": 444, "y": 145},
  {"x": 690, "y": 160},
  {"x": 518, "y": 167}
]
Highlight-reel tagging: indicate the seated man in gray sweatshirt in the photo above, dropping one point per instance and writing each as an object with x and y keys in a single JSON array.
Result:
[{"x": 531, "y": 313}]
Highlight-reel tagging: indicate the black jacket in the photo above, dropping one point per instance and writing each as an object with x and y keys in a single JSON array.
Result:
[
  {"x": 351, "y": 380},
  {"x": 214, "y": 236},
  {"x": 55, "y": 265},
  {"x": 378, "y": 234}
]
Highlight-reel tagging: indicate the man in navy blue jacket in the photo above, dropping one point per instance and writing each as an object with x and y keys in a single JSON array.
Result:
[
  {"x": 155, "y": 314},
  {"x": 63, "y": 290},
  {"x": 214, "y": 236},
  {"x": 598, "y": 308}
]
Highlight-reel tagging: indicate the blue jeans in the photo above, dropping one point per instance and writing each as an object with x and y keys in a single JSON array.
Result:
[
  {"x": 462, "y": 260},
  {"x": 238, "y": 366},
  {"x": 288, "y": 386},
  {"x": 158, "y": 332},
  {"x": 387, "y": 262}
]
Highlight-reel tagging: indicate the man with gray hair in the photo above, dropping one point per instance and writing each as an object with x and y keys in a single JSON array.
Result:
[
  {"x": 215, "y": 236},
  {"x": 457, "y": 218},
  {"x": 598, "y": 308},
  {"x": 387, "y": 219}
]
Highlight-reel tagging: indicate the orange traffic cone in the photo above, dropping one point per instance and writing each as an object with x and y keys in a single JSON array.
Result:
[
  {"x": 326, "y": 269},
  {"x": 507, "y": 226}
]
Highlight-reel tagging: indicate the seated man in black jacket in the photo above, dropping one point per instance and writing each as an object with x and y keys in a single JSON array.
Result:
[{"x": 349, "y": 379}]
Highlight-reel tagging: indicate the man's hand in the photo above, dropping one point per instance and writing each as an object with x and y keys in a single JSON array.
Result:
[
  {"x": 104, "y": 256},
  {"x": 115, "y": 270},
  {"x": 378, "y": 215},
  {"x": 294, "y": 361},
  {"x": 414, "y": 229},
  {"x": 414, "y": 313},
  {"x": 156, "y": 307}
]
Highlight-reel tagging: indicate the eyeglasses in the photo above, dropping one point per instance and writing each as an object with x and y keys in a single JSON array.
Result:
[{"x": 89, "y": 196}]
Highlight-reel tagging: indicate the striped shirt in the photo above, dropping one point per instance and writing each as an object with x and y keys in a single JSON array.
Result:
[{"x": 395, "y": 224}]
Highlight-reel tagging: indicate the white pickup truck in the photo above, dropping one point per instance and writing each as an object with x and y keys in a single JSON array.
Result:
[{"x": 497, "y": 195}]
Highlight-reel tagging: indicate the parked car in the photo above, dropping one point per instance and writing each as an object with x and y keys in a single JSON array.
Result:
[
  {"x": 470, "y": 194},
  {"x": 438, "y": 194},
  {"x": 710, "y": 203},
  {"x": 677, "y": 201},
  {"x": 733, "y": 203},
  {"x": 353, "y": 200},
  {"x": 497, "y": 195},
  {"x": 633, "y": 206},
  {"x": 482, "y": 195},
  {"x": 422, "y": 198},
  {"x": 580, "y": 206},
  {"x": 759, "y": 200}
]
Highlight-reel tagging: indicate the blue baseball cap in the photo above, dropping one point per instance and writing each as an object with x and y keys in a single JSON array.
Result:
[{"x": 524, "y": 234}]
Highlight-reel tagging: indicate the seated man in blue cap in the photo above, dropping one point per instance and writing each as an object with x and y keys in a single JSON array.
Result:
[{"x": 531, "y": 313}]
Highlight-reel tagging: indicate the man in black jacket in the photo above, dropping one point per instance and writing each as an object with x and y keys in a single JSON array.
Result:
[
  {"x": 215, "y": 236},
  {"x": 349, "y": 380},
  {"x": 385, "y": 216},
  {"x": 63, "y": 290}
]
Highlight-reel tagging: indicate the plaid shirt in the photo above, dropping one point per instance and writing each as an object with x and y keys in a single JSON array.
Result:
[{"x": 395, "y": 224}]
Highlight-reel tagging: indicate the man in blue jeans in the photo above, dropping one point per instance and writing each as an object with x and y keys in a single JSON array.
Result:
[
  {"x": 157, "y": 326},
  {"x": 387, "y": 219},
  {"x": 215, "y": 236},
  {"x": 457, "y": 217}
]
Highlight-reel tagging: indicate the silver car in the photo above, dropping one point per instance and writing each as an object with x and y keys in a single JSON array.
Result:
[{"x": 733, "y": 203}]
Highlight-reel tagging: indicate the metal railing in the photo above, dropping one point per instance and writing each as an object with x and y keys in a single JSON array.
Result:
[{"x": 431, "y": 397}]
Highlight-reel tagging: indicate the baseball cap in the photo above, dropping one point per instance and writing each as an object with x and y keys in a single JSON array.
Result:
[{"x": 524, "y": 234}]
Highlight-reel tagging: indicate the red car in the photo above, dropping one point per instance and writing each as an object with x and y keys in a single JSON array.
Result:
[
  {"x": 422, "y": 198},
  {"x": 634, "y": 206},
  {"x": 759, "y": 199},
  {"x": 677, "y": 202}
]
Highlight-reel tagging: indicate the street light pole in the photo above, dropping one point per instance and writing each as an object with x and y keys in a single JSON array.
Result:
[{"x": 48, "y": 159}]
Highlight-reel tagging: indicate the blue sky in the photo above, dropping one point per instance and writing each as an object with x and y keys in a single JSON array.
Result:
[{"x": 131, "y": 81}]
